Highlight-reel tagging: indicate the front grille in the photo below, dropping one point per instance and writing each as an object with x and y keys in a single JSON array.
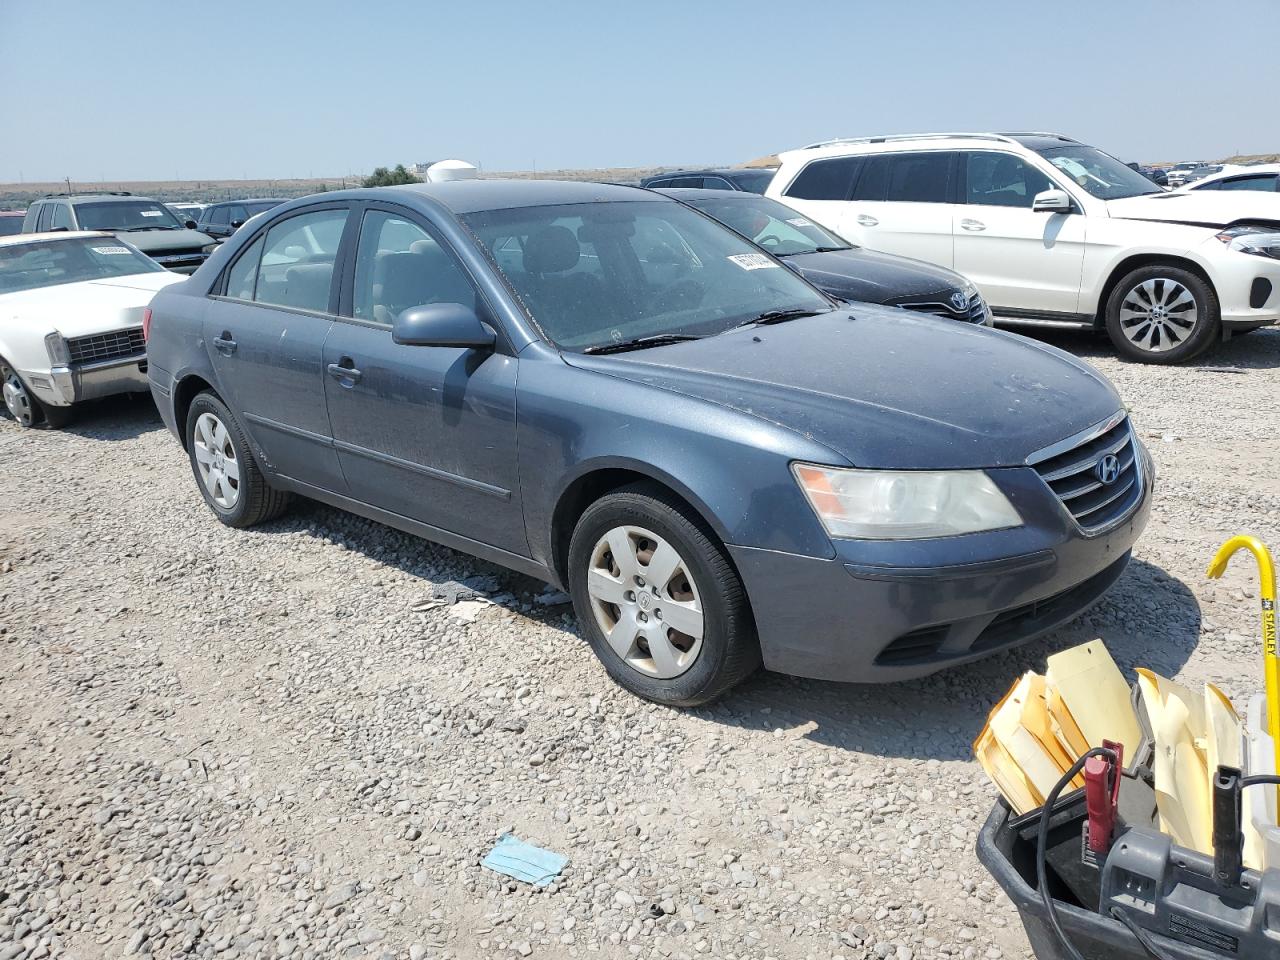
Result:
[
  {"x": 975, "y": 311},
  {"x": 1074, "y": 475},
  {"x": 183, "y": 258},
  {"x": 107, "y": 346}
]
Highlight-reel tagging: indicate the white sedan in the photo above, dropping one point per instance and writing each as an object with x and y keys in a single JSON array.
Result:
[{"x": 71, "y": 307}]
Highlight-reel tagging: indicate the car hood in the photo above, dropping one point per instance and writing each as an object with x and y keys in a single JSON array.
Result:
[
  {"x": 875, "y": 277},
  {"x": 149, "y": 241},
  {"x": 1210, "y": 208},
  {"x": 885, "y": 388},
  {"x": 90, "y": 306}
]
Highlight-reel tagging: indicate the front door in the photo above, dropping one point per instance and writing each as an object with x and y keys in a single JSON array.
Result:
[
  {"x": 425, "y": 432},
  {"x": 265, "y": 336},
  {"x": 1021, "y": 260}
]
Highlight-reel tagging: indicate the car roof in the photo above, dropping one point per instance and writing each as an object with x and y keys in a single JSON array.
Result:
[
  {"x": 58, "y": 235},
  {"x": 101, "y": 197},
  {"x": 691, "y": 194},
  {"x": 718, "y": 172},
  {"x": 228, "y": 203},
  {"x": 473, "y": 196}
]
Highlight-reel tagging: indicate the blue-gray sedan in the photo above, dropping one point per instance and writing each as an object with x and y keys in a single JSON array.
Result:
[{"x": 611, "y": 391}]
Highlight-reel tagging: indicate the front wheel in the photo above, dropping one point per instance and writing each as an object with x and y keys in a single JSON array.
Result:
[
  {"x": 25, "y": 408},
  {"x": 658, "y": 600},
  {"x": 1162, "y": 314}
]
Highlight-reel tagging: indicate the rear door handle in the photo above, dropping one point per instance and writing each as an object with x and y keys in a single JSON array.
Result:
[
  {"x": 345, "y": 372},
  {"x": 866, "y": 221},
  {"x": 224, "y": 344},
  {"x": 972, "y": 225}
]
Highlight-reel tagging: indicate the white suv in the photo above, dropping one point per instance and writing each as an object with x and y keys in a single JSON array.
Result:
[{"x": 1053, "y": 232}]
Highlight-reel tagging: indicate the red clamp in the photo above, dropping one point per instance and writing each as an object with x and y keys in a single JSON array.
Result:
[{"x": 1102, "y": 794}]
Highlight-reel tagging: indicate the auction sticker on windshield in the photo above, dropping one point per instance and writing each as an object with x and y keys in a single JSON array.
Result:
[
  {"x": 752, "y": 261},
  {"x": 800, "y": 222},
  {"x": 111, "y": 251}
]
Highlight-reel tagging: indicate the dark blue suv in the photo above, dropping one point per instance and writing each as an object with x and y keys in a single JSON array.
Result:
[{"x": 611, "y": 391}]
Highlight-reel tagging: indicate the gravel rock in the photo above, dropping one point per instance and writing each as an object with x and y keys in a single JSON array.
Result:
[{"x": 207, "y": 734}]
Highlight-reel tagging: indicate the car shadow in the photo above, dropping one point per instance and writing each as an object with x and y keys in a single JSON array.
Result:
[
  {"x": 1148, "y": 619},
  {"x": 121, "y": 417},
  {"x": 1257, "y": 350}
]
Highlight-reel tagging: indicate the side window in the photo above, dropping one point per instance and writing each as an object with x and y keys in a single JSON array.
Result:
[
  {"x": 31, "y": 220},
  {"x": 236, "y": 213},
  {"x": 717, "y": 183},
  {"x": 920, "y": 177},
  {"x": 1263, "y": 182},
  {"x": 1002, "y": 180},
  {"x": 218, "y": 216},
  {"x": 46, "y": 210},
  {"x": 659, "y": 184},
  {"x": 61, "y": 219},
  {"x": 825, "y": 179},
  {"x": 399, "y": 265},
  {"x": 244, "y": 272},
  {"x": 297, "y": 261},
  {"x": 690, "y": 183}
]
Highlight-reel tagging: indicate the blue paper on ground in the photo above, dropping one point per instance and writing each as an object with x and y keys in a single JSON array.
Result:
[{"x": 524, "y": 861}]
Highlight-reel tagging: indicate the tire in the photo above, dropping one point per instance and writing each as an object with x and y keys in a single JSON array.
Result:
[
  {"x": 224, "y": 467},
  {"x": 1162, "y": 314},
  {"x": 679, "y": 669},
  {"x": 17, "y": 400}
]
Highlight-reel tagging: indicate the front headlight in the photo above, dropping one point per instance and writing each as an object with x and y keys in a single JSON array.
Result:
[
  {"x": 56, "y": 347},
  {"x": 1253, "y": 240},
  {"x": 904, "y": 505},
  {"x": 208, "y": 248}
]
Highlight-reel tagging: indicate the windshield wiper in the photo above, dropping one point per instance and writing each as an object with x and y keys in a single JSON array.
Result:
[
  {"x": 829, "y": 249},
  {"x": 779, "y": 316},
  {"x": 639, "y": 343}
]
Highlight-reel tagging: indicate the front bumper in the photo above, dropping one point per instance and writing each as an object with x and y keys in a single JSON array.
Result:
[
  {"x": 66, "y": 385},
  {"x": 1248, "y": 287},
  {"x": 897, "y": 611}
]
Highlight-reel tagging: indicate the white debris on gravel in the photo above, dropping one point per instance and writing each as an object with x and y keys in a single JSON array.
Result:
[{"x": 286, "y": 742}]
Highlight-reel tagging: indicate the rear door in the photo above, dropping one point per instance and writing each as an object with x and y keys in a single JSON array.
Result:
[
  {"x": 902, "y": 203},
  {"x": 1022, "y": 261},
  {"x": 265, "y": 334},
  {"x": 425, "y": 432}
]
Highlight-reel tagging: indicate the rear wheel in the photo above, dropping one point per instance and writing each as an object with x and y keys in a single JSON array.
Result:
[
  {"x": 1162, "y": 314},
  {"x": 658, "y": 600},
  {"x": 225, "y": 470}
]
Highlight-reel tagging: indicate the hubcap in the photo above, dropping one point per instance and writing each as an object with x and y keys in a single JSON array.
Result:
[
  {"x": 645, "y": 602},
  {"x": 16, "y": 399},
  {"x": 216, "y": 461},
  {"x": 1158, "y": 314}
]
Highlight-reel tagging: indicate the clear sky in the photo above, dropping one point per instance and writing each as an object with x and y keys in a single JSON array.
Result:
[{"x": 128, "y": 90}]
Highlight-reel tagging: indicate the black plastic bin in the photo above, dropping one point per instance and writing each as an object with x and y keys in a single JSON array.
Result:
[{"x": 1007, "y": 848}]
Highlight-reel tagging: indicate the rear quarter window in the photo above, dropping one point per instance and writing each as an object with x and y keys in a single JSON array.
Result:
[{"x": 830, "y": 179}]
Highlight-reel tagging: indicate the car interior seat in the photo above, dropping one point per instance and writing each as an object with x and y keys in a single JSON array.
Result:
[{"x": 576, "y": 300}]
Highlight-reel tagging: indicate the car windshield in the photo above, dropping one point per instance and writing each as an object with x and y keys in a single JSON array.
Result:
[
  {"x": 594, "y": 275},
  {"x": 753, "y": 181},
  {"x": 126, "y": 215},
  {"x": 1103, "y": 176},
  {"x": 48, "y": 263},
  {"x": 773, "y": 225}
]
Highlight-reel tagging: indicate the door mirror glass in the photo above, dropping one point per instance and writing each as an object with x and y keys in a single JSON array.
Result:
[
  {"x": 189, "y": 223},
  {"x": 1052, "y": 201},
  {"x": 441, "y": 325},
  {"x": 237, "y": 224}
]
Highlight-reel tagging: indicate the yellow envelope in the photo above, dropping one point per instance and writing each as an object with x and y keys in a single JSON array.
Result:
[
  {"x": 1021, "y": 726},
  {"x": 1223, "y": 732},
  {"x": 1065, "y": 729},
  {"x": 1004, "y": 773},
  {"x": 1090, "y": 686},
  {"x": 1182, "y": 785}
]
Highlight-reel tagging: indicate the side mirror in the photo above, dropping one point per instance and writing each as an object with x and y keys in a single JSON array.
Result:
[
  {"x": 237, "y": 224},
  {"x": 189, "y": 224},
  {"x": 1052, "y": 201},
  {"x": 442, "y": 325}
]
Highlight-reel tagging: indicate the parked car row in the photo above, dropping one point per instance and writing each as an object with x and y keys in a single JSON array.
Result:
[{"x": 737, "y": 429}]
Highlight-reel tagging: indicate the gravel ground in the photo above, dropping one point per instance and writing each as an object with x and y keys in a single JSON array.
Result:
[{"x": 282, "y": 742}]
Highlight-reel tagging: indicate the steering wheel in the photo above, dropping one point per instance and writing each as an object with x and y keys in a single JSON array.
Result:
[{"x": 769, "y": 240}]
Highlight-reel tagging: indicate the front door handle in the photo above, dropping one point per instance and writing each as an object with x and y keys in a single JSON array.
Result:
[
  {"x": 345, "y": 372},
  {"x": 972, "y": 225},
  {"x": 224, "y": 344},
  {"x": 866, "y": 221}
]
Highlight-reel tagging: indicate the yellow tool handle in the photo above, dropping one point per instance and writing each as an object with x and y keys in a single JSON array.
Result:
[{"x": 1267, "y": 593}]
